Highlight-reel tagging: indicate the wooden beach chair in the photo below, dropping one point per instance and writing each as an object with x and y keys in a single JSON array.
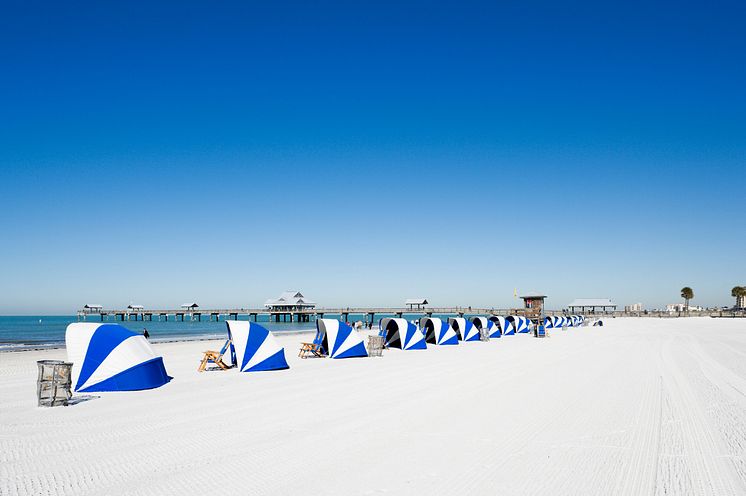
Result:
[
  {"x": 376, "y": 345},
  {"x": 314, "y": 349},
  {"x": 215, "y": 357}
]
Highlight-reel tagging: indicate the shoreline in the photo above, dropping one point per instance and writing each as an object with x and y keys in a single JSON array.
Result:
[{"x": 21, "y": 348}]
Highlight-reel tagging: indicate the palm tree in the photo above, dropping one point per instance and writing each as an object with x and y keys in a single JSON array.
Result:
[
  {"x": 738, "y": 292},
  {"x": 687, "y": 293}
]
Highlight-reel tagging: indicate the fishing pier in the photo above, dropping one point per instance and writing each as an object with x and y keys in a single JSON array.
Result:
[{"x": 196, "y": 314}]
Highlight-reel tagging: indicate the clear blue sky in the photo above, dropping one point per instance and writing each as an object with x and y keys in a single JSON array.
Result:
[{"x": 370, "y": 152}]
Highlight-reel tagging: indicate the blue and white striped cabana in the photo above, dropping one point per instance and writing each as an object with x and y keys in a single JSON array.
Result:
[
  {"x": 110, "y": 357},
  {"x": 520, "y": 324},
  {"x": 483, "y": 323},
  {"x": 465, "y": 330},
  {"x": 255, "y": 348},
  {"x": 438, "y": 332},
  {"x": 339, "y": 340},
  {"x": 498, "y": 325},
  {"x": 398, "y": 333},
  {"x": 509, "y": 328}
]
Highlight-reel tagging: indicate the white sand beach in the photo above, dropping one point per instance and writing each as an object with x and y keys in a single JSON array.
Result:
[{"x": 639, "y": 406}]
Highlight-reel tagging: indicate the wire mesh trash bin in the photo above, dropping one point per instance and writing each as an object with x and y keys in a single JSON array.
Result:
[
  {"x": 375, "y": 346},
  {"x": 54, "y": 382},
  {"x": 484, "y": 334}
]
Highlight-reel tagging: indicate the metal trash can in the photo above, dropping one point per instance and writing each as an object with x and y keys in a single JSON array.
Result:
[
  {"x": 484, "y": 334},
  {"x": 54, "y": 382},
  {"x": 375, "y": 346}
]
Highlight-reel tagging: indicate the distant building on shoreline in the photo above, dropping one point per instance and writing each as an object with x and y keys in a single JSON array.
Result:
[
  {"x": 741, "y": 301},
  {"x": 289, "y": 301},
  {"x": 635, "y": 307},
  {"x": 681, "y": 307}
]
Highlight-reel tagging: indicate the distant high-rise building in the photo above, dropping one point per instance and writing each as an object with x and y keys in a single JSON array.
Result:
[
  {"x": 635, "y": 307},
  {"x": 741, "y": 301}
]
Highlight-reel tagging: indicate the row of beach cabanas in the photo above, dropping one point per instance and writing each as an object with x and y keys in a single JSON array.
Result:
[{"x": 110, "y": 357}]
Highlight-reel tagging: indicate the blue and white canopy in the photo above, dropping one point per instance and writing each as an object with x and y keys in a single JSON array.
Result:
[
  {"x": 554, "y": 322},
  {"x": 110, "y": 357},
  {"x": 484, "y": 323},
  {"x": 509, "y": 328},
  {"x": 521, "y": 324},
  {"x": 256, "y": 349},
  {"x": 498, "y": 326},
  {"x": 339, "y": 340},
  {"x": 438, "y": 332},
  {"x": 399, "y": 333},
  {"x": 465, "y": 330}
]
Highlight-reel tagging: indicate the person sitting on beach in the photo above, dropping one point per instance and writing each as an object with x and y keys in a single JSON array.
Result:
[{"x": 145, "y": 333}]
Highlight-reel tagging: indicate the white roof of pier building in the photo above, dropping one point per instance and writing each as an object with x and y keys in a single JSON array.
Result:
[
  {"x": 416, "y": 301},
  {"x": 189, "y": 305},
  {"x": 290, "y": 299},
  {"x": 93, "y": 305},
  {"x": 592, "y": 302},
  {"x": 135, "y": 307}
]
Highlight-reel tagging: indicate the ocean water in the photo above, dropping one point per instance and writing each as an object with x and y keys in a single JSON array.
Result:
[
  {"x": 45, "y": 331},
  {"x": 19, "y": 333}
]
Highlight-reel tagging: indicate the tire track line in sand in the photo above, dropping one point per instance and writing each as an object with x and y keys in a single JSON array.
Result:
[{"x": 696, "y": 466}]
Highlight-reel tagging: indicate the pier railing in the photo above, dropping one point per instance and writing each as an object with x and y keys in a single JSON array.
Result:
[{"x": 305, "y": 314}]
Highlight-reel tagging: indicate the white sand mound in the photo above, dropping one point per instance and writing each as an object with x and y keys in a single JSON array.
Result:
[{"x": 640, "y": 406}]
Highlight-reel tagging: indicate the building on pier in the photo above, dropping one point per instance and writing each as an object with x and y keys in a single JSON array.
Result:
[
  {"x": 92, "y": 308},
  {"x": 416, "y": 303},
  {"x": 289, "y": 301},
  {"x": 189, "y": 306},
  {"x": 592, "y": 305}
]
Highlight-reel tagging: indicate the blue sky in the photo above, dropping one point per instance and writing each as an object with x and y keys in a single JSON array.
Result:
[{"x": 368, "y": 153}]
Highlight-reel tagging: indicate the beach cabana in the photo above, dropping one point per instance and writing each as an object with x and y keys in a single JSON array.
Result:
[
  {"x": 398, "y": 333},
  {"x": 483, "y": 323},
  {"x": 256, "y": 349},
  {"x": 438, "y": 332},
  {"x": 338, "y": 340},
  {"x": 508, "y": 326},
  {"x": 498, "y": 324},
  {"x": 553, "y": 322},
  {"x": 465, "y": 329},
  {"x": 110, "y": 357},
  {"x": 520, "y": 324}
]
